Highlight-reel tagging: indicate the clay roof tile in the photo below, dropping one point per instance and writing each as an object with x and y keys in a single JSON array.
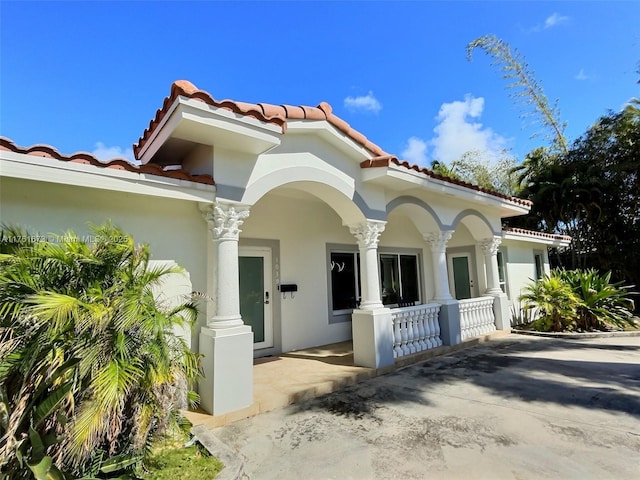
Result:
[{"x": 47, "y": 151}]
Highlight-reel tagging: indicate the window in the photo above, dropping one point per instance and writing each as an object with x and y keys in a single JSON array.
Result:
[
  {"x": 502, "y": 271},
  {"x": 399, "y": 278},
  {"x": 539, "y": 261},
  {"x": 345, "y": 280}
]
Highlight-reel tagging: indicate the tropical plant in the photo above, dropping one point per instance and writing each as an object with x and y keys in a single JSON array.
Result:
[
  {"x": 527, "y": 89},
  {"x": 89, "y": 363},
  {"x": 602, "y": 303},
  {"x": 555, "y": 302}
]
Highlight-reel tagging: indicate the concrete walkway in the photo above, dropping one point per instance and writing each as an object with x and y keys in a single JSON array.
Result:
[
  {"x": 514, "y": 408},
  {"x": 292, "y": 377}
]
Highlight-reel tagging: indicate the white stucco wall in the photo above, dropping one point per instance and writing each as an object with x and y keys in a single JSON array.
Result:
[
  {"x": 520, "y": 264},
  {"x": 174, "y": 229}
]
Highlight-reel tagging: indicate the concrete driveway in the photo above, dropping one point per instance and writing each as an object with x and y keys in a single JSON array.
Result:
[{"x": 515, "y": 408}]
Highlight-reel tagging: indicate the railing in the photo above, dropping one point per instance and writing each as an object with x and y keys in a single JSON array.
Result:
[
  {"x": 415, "y": 329},
  {"x": 476, "y": 317}
]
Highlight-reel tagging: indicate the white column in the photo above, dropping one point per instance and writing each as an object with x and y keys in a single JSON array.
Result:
[
  {"x": 489, "y": 247},
  {"x": 226, "y": 344},
  {"x": 224, "y": 221},
  {"x": 438, "y": 243},
  {"x": 367, "y": 234}
]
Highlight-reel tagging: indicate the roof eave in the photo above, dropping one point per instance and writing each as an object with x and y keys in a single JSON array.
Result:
[
  {"x": 44, "y": 169},
  {"x": 398, "y": 177},
  {"x": 194, "y": 120}
]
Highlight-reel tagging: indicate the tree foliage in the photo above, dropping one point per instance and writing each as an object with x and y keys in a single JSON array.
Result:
[
  {"x": 90, "y": 362},
  {"x": 527, "y": 90},
  {"x": 591, "y": 193},
  {"x": 473, "y": 168}
]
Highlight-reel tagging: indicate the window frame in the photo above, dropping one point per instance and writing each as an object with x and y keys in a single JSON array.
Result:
[
  {"x": 398, "y": 252},
  {"x": 502, "y": 251},
  {"x": 539, "y": 275},
  {"x": 344, "y": 315}
]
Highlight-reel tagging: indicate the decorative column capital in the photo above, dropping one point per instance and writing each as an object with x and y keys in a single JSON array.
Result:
[
  {"x": 224, "y": 219},
  {"x": 368, "y": 233},
  {"x": 489, "y": 246},
  {"x": 438, "y": 240}
]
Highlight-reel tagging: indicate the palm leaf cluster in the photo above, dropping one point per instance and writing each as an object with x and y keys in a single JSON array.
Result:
[
  {"x": 90, "y": 368},
  {"x": 581, "y": 300}
]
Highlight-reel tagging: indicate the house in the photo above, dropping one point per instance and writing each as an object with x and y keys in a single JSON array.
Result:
[{"x": 301, "y": 231}]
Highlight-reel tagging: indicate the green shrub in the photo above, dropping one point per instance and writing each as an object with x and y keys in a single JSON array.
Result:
[
  {"x": 89, "y": 362},
  {"x": 602, "y": 303},
  {"x": 554, "y": 301},
  {"x": 579, "y": 300}
]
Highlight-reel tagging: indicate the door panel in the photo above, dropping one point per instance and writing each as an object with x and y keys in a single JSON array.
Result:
[
  {"x": 255, "y": 294},
  {"x": 460, "y": 278}
]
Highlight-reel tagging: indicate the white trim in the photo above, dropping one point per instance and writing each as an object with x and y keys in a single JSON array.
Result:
[
  {"x": 533, "y": 238},
  {"x": 404, "y": 175},
  {"x": 51, "y": 170}
]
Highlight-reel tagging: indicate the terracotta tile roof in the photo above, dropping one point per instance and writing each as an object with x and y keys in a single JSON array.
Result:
[
  {"x": 386, "y": 160},
  {"x": 47, "y": 151},
  {"x": 533, "y": 233},
  {"x": 279, "y": 114},
  {"x": 265, "y": 112}
]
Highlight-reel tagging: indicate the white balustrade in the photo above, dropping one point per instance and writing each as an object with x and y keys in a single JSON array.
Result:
[
  {"x": 415, "y": 329},
  {"x": 476, "y": 317}
]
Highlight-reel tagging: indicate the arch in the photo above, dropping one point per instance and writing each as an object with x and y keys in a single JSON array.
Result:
[
  {"x": 479, "y": 226},
  {"x": 409, "y": 200},
  {"x": 336, "y": 191}
]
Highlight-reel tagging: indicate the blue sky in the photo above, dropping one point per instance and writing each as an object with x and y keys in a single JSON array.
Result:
[{"x": 88, "y": 76}]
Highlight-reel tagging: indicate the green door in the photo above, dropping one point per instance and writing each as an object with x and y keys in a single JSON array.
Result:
[
  {"x": 461, "y": 280},
  {"x": 255, "y": 301}
]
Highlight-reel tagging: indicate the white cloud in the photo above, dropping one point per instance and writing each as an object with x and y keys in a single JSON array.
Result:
[
  {"x": 581, "y": 75},
  {"x": 457, "y": 133},
  {"x": 554, "y": 20},
  {"x": 416, "y": 151},
  {"x": 365, "y": 103},
  {"x": 102, "y": 152}
]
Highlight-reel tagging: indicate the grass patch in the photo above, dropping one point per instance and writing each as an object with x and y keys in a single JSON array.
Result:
[{"x": 171, "y": 460}]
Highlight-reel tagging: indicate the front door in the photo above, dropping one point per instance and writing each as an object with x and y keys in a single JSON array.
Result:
[
  {"x": 462, "y": 281},
  {"x": 255, "y": 294}
]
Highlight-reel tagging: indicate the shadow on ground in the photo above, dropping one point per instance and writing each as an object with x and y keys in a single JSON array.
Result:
[{"x": 521, "y": 368}]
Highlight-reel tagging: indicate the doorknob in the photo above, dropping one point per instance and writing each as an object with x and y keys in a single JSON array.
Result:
[{"x": 266, "y": 296}]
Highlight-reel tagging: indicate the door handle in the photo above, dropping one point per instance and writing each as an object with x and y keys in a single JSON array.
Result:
[
  {"x": 471, "y": 283},
  {"x": 266, "y": 297}
]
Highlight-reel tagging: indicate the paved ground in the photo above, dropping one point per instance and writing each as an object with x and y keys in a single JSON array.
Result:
[{"x": 516, "y": 408}]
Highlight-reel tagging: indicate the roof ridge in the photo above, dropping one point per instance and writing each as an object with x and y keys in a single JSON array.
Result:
[{"x": 47, "y": 151}]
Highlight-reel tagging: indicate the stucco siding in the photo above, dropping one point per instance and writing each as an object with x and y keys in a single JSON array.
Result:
[{"x": 174, "y": 229}]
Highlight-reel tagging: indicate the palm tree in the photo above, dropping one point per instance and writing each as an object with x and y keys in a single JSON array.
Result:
[{"x": 87, "y": 354}]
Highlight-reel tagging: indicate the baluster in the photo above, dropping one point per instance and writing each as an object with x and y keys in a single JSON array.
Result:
[
  {"x": 428, "y": 330},
  {"x": 422, "y": 331},
  {"x": 483, "y": 324},
  {"x": 397, "y": 336},
  {"x": 411, "y": 335},
  {"x": 404, "y": 333},
  {"x": 435, "y": 316}
]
